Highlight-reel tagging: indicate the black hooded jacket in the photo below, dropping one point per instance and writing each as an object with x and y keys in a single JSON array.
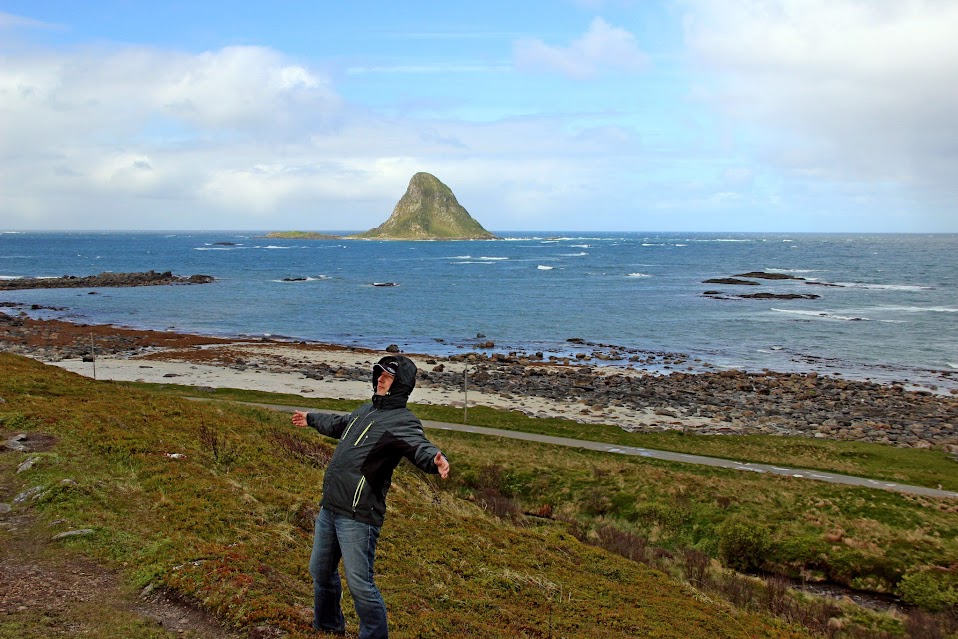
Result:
[{"x": 372, "y": 441}]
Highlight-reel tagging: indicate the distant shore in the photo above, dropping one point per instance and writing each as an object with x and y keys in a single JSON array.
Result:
[{"x": 722, "y": 402}]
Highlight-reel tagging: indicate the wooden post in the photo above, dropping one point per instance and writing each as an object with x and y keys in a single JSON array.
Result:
[
  {"x": 93, "y": 352},
  {"x": 465, "y": 393}
]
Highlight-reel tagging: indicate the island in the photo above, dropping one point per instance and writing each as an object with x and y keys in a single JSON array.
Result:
[
  {"x": 427, "y": 211},
  {"x": 106, "y": 279}
]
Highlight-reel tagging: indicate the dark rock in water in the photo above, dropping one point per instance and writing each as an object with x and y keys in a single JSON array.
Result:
[
  {"x": 780, "y": 296},
  {"x": 294, "y": 279},
  {"x": 149, "y": 278},
  {"x": 825, "y": 284},
  {"x": 730, "y": 280},
  {"x": 762, "y": 275},
  {"x": 224, "y": 243},
  {"x": 392, "y": 348},
  {"x": 385, "y": 284}
]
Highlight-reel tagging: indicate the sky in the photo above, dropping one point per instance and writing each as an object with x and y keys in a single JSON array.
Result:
[{"x": 563, "y": 115}]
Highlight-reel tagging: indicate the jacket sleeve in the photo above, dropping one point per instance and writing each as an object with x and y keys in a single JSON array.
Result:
[
  {"x": 414, "y": 445},
  {"x": 329, "y": 425}
]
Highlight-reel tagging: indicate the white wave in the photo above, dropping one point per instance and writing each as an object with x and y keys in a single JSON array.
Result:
[
  {"x": 794, "y": 270},
  {"x": 886, "y": 287},
  {"x": 822, "y": 315},
  {"x": 953, "y": 365},
  {"x": 461, "y": 257},
  {"x": 580, "y": 245},
  {"x": 472, "y": 262},
  {"x": 11, "y": 232},
  {"x": 920, "y": 309},
  {"x": 638, "y": 275},
  {"x": 545, "y": 268},
  {"x": 493, "y": 259},
  {"x": 11, "y": 277},
  {"x": 573, "y": 254},
  {"x": 275, "y": 247},
  {"x": 681, "y": 244},
  {"x": 721, "y": 239}
]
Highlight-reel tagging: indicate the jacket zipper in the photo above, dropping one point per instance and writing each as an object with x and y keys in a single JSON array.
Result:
[{"x": 358, "y": 493}]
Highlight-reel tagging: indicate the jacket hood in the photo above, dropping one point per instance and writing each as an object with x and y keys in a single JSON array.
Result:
[{"x": 401, "y": 387}]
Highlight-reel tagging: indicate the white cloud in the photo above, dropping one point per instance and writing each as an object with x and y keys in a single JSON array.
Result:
[
  {"x": 852, "y": 90},
  {"x": 602, "y": 47}
]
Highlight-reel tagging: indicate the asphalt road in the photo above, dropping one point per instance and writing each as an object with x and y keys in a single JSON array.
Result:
[{"x": 798, "y": 473}]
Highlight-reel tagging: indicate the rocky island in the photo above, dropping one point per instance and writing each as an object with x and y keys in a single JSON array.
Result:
[
  {"x": 427, "y": 211},
  {"x": 106, "y": 279}
]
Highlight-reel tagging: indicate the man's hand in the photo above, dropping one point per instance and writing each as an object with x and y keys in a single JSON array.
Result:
[
  {"x": 299, "y": 419},
  {"x": 442, "y": 464}
]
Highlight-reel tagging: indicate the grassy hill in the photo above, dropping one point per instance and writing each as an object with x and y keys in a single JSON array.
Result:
[
  {"x": 213, "y": 503},
  {"x": 428, "y": 211}
]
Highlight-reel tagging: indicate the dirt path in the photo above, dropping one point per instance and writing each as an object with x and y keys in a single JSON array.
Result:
[{"x": 48, "y": 590}]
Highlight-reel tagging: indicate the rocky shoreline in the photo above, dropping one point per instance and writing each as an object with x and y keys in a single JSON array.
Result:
[
  {"x": 104, "y": 280},
  {"x": 716, "y": 402}
]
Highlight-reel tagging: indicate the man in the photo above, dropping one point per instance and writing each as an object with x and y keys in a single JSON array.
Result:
[{"x": 373, "y": 439}]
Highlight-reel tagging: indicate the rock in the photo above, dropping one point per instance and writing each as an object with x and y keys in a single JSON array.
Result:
[
  {"x": 72, "y": 533},
  {"x": 769, "y": 276},
  {"x": 429, "y": 210},
  {"x": 14, "y": 443},
  {"x": 32, "y": 493},
  {"x": 780, "y": 296},
  {"x": 27, "y": 465},
  {"x": 5, "y": 508},
  {"x": 392, "y": 348},
  {"x": 730, "y": 280},
  {"x": 106, "y": 279}
]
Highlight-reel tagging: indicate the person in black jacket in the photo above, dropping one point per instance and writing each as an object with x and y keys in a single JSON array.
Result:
[{"x": 373, "y": 439}]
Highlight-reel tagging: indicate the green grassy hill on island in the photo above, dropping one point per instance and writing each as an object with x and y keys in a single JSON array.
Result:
[{"x": 428, "y": 211}]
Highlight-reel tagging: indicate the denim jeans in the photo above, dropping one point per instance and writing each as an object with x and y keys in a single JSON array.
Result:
[{"x": 339, "y": 537}]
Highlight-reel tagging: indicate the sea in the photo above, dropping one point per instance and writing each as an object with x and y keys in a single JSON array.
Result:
[{"x": 887, "y": 309}]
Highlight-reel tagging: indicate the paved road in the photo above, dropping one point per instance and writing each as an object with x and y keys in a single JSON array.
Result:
[{"x": 800, "y": 473}]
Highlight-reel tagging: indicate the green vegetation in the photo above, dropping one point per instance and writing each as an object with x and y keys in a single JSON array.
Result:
[
  {"x": 931, "y": 468},
  {"x": 524, "y": 540},
  {"x": 301, "y": 235}
]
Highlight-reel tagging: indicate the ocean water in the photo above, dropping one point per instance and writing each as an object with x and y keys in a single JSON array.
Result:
[{"x": 892, "y": 313}]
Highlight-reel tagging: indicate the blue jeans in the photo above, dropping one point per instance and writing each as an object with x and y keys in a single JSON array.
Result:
[{"x": 339, "y": 537}]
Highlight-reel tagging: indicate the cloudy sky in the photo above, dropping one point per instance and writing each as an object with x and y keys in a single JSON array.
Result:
[{"x": 641, "y": 115}]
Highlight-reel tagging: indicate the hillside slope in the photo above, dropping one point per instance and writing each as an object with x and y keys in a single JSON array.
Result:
[{"x": 215, "y": 503}]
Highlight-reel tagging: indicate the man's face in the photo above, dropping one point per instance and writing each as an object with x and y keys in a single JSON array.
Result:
[{"x": 384, "y": 382}]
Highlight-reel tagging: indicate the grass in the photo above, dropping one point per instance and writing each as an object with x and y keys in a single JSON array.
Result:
[
  {"x": 929, "y": 468},
  {"x": 228, "y": 526}
]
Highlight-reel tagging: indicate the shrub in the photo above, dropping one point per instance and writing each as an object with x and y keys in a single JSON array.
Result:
[
  {"x": 929, "y": 590},
  {"x": 743, "y": 545}
]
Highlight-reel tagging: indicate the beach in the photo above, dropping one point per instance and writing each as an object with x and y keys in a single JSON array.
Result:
[{"x": 721, "y": 402}]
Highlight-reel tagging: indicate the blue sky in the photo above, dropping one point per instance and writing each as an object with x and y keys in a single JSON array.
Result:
[{"x": 605, "y": 115}]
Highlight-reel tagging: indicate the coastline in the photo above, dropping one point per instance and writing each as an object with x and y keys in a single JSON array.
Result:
[{"x": 707, "y": 403}]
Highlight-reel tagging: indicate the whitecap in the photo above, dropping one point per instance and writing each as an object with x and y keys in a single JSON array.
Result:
[
  {"x": 681, "y": 244},
  {"x": 580, "y": 245},
  {"x": 794, "y": 270},
  {"x": 11, "y": 277},
  {"x": 886, "y": 287},
  {"x": 573, "y": 254},
  {"x": 822, "y": 315},
  {"x": 638, "y": 275},
  {"x": 953, "y": 365},
  {"x": 545, "y": 268},
  {"x": 493, "y": 259},
  {"x": 275, "y": 247}
]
